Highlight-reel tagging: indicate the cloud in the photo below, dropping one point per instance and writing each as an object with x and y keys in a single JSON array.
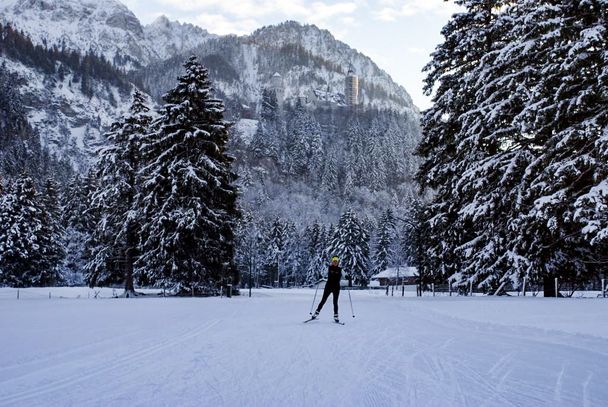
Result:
[
  {"x": 219, "y": 24},
  {"x": 392, "y": 10}
]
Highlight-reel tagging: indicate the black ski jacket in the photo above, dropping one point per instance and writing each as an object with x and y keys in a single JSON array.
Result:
[{"x": 334, "y": 275}]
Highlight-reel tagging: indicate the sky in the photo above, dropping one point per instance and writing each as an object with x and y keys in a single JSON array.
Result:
[{"x": 398, "y": 35}]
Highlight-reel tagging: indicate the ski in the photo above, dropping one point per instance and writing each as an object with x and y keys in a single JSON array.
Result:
[
  {"x": 339, "y": 323},
  {"x": 308, "y": 320}
]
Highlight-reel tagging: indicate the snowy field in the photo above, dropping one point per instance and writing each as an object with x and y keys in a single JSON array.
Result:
[{"x": 256, "y": 352}]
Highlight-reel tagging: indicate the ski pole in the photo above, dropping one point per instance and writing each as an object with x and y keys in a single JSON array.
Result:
[
  {"x": 351, "y": 304},
  {"x": 315, "y": 297}
]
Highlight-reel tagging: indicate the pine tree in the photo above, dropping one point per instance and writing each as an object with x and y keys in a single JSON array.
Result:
[
  {"x": 563, "y": 192},
  {"x": 469, "y": 36},
  {"x": 384, "y": 253},
  {"x": 24, "y": 244},
  {"x": 315, "y": 253},
  {"x": 52, "y": 238},
  {"x": 188, "y": 197},
  {"x": 77, "y": 219},
  {"x": 115, "y": 235},
  {"x": 351, "y": 244},
  {"x": 276, "y": 250}
]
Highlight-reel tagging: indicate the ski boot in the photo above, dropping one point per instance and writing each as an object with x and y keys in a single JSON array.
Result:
[{"x": 336, "y": 318}]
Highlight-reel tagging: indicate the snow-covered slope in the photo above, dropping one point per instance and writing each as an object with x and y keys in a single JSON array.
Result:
[{"x": 70, "y": 123}]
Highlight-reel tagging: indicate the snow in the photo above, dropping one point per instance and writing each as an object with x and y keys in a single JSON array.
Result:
[
  {"x": 256, "y": 352},
  {"x": 246, "y": 128},
  {"x": 393, "y": 272}
]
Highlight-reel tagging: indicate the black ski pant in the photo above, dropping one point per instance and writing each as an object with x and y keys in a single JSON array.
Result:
[{"x": 335, "y": 290}]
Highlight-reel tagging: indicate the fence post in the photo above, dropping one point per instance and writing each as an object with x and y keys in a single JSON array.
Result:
[
  {"x": 471, "y": 288},
  {"x": 556, "y": 292},
  {"x": 525, "y": 281},
  {"x": 450, "y": 287},
  {"x": 433, "y": 288},
  {"x": 392, "y": 291},
  {"x": 403, "y": 290},
  {"x": 49, "y": 295},
  {"x": 17, "y": 293},
  {"x": 603, "y": 287},
  {"x": 193, "y": 291}
]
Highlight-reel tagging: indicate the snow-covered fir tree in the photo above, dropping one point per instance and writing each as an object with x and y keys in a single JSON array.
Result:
[
  {"x": 53, "y": 236},
  {"x": 563, "y": 196},
  {"x": 350, "y": 243},
  {"x": 28, "y": 255},
  {"x": 514, "y": 146},
  {"x": 469, "y": 36},
  {"x": 115, "y": 237},
  {"x": 384, "y": 254},
  {"x": 188, "y": 197},
  {"x": 78, "y": 220},
  {"x": 316, "y": 244},
  {"x": 276, "y": 250}
]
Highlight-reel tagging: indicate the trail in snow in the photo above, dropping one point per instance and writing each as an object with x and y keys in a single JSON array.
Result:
[{"x": 257, "y": 352}]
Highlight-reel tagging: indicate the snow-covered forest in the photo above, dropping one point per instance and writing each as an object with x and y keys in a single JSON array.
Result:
[
  {"x": 508, "y": 182},
  {"x": 515, "y": 146}
]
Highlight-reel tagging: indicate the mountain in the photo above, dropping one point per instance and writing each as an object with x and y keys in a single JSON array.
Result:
[
  {"x": 73, "y": 95},
  {"x": 104, "y": 27},
  {"x": 310, "y": 61}
]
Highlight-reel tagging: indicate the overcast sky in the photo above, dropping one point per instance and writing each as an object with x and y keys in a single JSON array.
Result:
[{"x": 398, "y": 35}]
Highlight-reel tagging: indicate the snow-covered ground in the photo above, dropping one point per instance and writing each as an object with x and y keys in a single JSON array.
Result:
[{"x": 442, "y": 351}]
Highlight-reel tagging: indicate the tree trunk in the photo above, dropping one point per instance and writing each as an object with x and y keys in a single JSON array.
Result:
[{"x": 549, "y": 287}]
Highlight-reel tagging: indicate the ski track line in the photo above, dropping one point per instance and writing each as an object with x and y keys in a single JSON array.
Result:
[
  {"x": 586, "y": 401},
  {"x": 59, "y": 355},
  {"x": 80, "y": 377},
  {"x": 477, "y": 377},
  {"x": 557, "y": 393}
]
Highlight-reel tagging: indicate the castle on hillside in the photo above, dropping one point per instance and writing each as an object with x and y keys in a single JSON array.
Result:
[{"x": 276, "y": 86}]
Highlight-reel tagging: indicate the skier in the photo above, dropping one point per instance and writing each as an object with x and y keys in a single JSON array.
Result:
[{"x": 334, "y": 275}]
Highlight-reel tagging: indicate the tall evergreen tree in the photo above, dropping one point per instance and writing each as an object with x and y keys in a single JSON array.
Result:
[
  {"x": 469, "y": 36},
  {"x": 53, "y": 233},
  {"x": 115, "y": 235},
  {"x": 351, "y": 244},
  {"x": 188, "y": 197},
  {"x": 78, "y": 221},
  {"x": 24, "y": 242},
  {"x": 384, "y": 252}
]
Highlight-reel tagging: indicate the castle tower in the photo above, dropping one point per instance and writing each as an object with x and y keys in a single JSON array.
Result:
[
  {"x": 276, "y": 85},
  {"x": 351, "y": 88}
]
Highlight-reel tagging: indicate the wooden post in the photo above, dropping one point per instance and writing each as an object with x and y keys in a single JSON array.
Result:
[
  {"x": 433, "y": 288},
  {"x": 193, "y": 291},
  {"x": 603, "y": 288},
  {"x": 49, "y": 295},
  {"x": 17, "y": 293},
  {"x": 450, "y": 287},
  {"x": 524, "y": 288},
  {"x": 392, "y": 291},
  {"x": 556, "y": 291},
  {"x": 403, "y": 290},
  {"x": 471, "y": 288}
]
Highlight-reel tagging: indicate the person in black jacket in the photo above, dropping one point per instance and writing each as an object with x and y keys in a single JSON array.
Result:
[{"x": 334, "y": 275}]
